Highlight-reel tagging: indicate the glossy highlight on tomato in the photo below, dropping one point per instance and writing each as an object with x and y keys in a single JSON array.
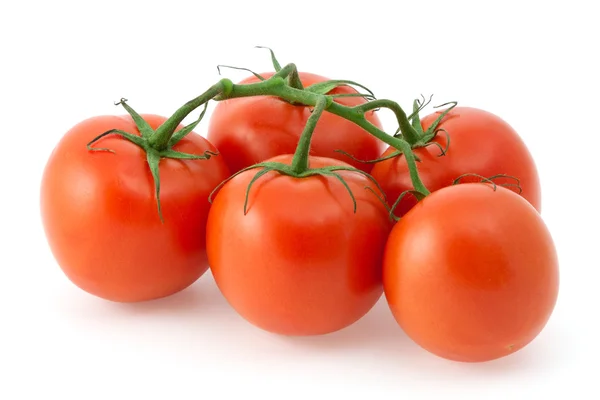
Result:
[
  {"x": 300, "y": 262},
  {"x": 100, "y": 216},
  {"x": 249, "y": 130},
  {"x": 471, "y": 273}
]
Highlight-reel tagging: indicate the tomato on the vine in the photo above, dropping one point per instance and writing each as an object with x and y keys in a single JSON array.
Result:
[
  {"x": 100, "y": 217},
  {"x": 471, "y": 272},
  {"x": 249, "y": 130},
  {"x": 480, "y": 143},
  {"x": 301, "y": 261}
]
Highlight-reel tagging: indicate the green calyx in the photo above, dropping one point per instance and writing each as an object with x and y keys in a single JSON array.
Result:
[
  {"x": 299, "y": 167},
  {"x": 293, "y": 78},
  {"x": 158, "y": 144},
  {"x": 425, "y": 137},
  {"x": 511, "y": 182},
  {"x": 411, "y": 130},
  {"x": 392, "y": 209}
]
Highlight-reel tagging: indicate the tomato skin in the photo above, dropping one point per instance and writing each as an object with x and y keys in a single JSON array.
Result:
[
  {"x": 252, "y": 129},
  {"x": 471, "y": 274},
  {"x": 100, "y": 214},
  {"x": 480, "y": 143},
  {"x": 300, "y": 262}
]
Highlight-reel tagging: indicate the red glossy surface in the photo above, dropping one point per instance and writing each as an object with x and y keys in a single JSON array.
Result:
[
  {"x": 100, "y": 214},
  {"x": 471, "y": 274},
  {"x": 300, "y": 262}
]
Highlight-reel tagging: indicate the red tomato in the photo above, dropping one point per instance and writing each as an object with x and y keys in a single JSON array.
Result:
[
  {"x": 300, "y": 262},
  {"x": 480, "y": 143},
  {"x": 100, "y": 214},
  {"x": 471, "y": 274},
  {"x": 249, "y": 130}
]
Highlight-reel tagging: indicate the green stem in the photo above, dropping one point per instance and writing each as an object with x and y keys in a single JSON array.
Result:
[
  {"x": 408, "y": 132},
  {"x": 275, "y": 86},
  {"x": 293, "y": 79},
  {"x": 160, "y": 139},
  {"x": 300, "y": 160},
  {"x": 397, "y": 143},
  {"x": 286, "y": 85},
  {"x": 286, "y": 71}
]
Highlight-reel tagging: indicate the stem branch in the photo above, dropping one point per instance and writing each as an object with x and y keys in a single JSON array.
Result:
[
  {"x": 294, "y": 79},
  {"x": 278, "y": 85},
  {"x": 300, "y": 160},
  {"x": 398, "y": 143},
  {"x": 408, "y": 132},
  {"x": 160, "y": 139},
  {"x": 275, "y": 86}
]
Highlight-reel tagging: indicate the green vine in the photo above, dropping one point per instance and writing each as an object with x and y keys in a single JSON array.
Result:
[{"x": 284, "y": 84}]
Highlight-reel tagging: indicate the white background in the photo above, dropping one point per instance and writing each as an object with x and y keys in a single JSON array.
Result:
[{"x": 533, "y": 64}]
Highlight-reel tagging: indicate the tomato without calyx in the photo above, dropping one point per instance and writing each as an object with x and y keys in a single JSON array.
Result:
[
  {"x": 471, "y": 273},
  {"x": 100, "y": 216}
]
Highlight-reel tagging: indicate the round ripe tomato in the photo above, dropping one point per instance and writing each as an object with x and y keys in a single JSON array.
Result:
[
  {"x": 101, "y": 219},
  {"x": 249, "y": 130},
  {"x": 471, "y": 274},
  {"x": 300, "y": 262},
  {"x": 480, "y": 143}
]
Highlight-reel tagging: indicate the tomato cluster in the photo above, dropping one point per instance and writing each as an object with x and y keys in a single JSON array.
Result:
[{"x": 305, "y": 219}]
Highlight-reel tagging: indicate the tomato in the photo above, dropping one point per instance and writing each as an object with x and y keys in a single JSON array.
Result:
[
  {"x": 480, "y": 143},
  {"x": 471, "y": 273},
  {"x": 300, "y": 262},
  {"x": 249, "y": 130},
  {"x": 100, "y": 215}
]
